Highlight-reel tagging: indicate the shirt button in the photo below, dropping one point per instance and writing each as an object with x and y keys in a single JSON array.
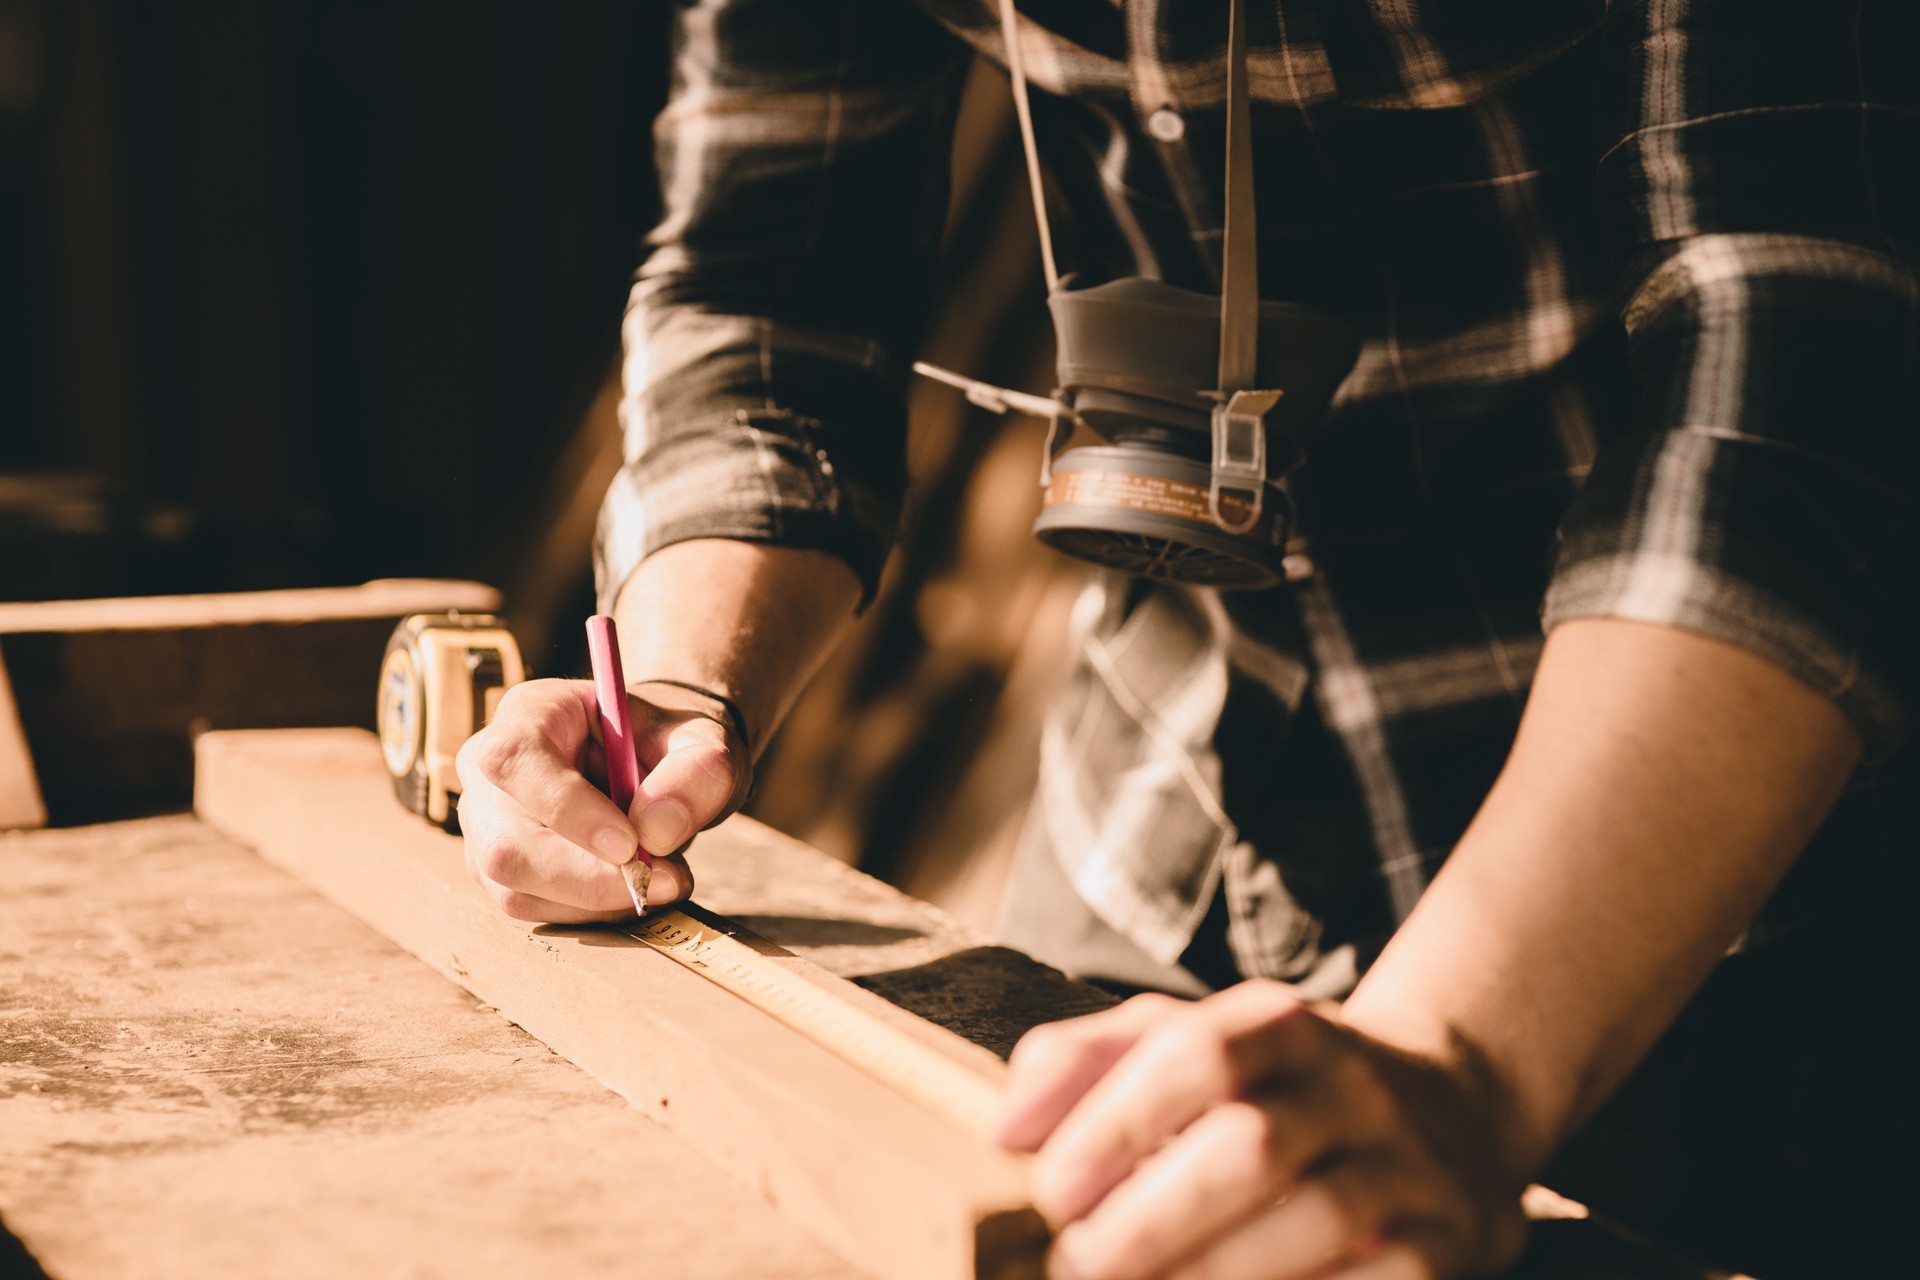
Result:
[{"x": 1166, "y": 125}]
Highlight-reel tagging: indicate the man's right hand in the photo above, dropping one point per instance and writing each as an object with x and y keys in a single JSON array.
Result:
[
  {"x": 749, "y": 621},
  {"x": 544, "y": 839}
]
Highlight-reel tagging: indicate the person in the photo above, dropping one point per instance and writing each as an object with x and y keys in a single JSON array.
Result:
[{"x": 1422, "y": 904}]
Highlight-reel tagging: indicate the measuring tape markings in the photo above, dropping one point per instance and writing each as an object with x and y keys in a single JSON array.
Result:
[{"x": 885, "y": 1052}]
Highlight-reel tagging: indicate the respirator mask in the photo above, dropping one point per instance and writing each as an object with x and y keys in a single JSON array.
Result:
[{"x": 1203, "y": 403}]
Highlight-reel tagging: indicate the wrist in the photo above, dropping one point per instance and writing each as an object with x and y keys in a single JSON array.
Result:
[
  {"x": 745, "y": 621},
  {"x": 1495, "y": 1093},
  {"x": 731, "y": 714}
]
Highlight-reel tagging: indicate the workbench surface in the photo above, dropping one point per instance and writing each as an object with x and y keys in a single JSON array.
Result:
[{"x": 207, "y": 1070}]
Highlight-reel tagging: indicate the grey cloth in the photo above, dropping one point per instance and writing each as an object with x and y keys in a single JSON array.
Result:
[{"x": 1043, "y": 915}]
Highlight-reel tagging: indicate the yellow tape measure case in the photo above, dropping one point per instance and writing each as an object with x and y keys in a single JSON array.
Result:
[{"x": 442, "y": 677}]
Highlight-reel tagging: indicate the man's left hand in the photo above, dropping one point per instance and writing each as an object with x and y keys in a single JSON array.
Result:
[{"x": 1253, "y": 1136}]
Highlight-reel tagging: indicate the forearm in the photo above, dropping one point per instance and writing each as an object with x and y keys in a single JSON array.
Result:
[
  {"x": 1660, "y": 786},
  {"x": 747, "y": 620}
]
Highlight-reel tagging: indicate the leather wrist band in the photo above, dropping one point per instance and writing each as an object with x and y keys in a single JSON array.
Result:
[{"x": 735, "y": 720}]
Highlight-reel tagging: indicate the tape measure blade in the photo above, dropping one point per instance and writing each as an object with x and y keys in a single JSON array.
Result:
[{"x": 834, "y": 1020}]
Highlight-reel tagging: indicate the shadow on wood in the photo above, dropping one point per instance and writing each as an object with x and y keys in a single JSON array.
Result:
[
  {"x": 16, "y": 1260},
  {"x": 990, "y": 995}
]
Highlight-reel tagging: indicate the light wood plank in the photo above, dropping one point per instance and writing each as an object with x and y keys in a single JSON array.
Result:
[{"x": 887, "y": 1184}]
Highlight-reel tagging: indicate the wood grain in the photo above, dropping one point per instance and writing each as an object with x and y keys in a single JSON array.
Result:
[
  {"x": 888, "y": 1185},
  {"x": 207, "y": 1070}
]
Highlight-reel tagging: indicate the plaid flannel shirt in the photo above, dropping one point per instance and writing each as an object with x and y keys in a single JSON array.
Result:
[{"x": 1638, "y": 293}]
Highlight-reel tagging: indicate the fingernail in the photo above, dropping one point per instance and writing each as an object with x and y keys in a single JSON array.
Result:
[
  {"x": 664, "y": 826},
  {"x": 613, "y": 844}
]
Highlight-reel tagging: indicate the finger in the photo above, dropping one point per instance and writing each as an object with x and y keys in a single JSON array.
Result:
[
  {"x": 1222, "y": 1169},
  {"x": 528, "y": 753},
  {"x": 535, "y": 910},
  {"x": 510, "y": 852},
  {"x": 1175, "y": 1072},
  {"x": 1335, "y": 1218},
  {"x": 694, "y": 782},
  {"x": 1054, "y": 1064},
  {"x": 671, "y": 881}
]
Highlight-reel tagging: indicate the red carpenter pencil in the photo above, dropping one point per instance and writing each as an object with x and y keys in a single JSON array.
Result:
[{"x": 616, "y": 737}]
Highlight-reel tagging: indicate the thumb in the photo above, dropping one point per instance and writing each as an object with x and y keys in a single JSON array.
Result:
[{"x": 695, "y": 783}]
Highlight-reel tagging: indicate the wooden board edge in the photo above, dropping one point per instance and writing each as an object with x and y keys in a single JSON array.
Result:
[
  {"x": 877, "y": 1179},
  {"x": 386, "y": 597}
]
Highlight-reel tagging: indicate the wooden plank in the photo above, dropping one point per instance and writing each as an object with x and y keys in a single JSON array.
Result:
[
  {"x": 20, "y": 802},
  {"x": 951, "y": 1077},
  {"x": 887, "y": 1184},
  {"x": 385, "y": 598},
  {"x": 110, "y": 692},
  {"x": 207, "y": 1070}
]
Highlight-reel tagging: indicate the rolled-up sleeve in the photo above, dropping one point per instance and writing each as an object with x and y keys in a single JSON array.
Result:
[
  {"x": 803, "y": 158},
  {"x": 1764, "y": 198}
]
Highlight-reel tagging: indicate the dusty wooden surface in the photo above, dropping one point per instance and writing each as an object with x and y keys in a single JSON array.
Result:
[
  {"x": 207, "y": 1070},
  {"x": 110, "y": 692}
]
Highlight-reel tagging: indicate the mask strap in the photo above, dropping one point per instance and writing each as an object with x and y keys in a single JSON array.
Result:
[
  {"x": 1239, "y": 471},
  {"x": 1240, "y": 251},
  {"x": 1017, "y": 72}
]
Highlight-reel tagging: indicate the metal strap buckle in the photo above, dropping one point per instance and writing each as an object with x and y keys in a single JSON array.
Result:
[
  {"x": 1240, "y": 456},
  {"x": 985, "y": 395}
]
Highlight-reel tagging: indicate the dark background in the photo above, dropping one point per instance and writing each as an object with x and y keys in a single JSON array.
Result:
[
  {"x": 310, "y": 292},
  {"x": 306, "y": 292}
]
